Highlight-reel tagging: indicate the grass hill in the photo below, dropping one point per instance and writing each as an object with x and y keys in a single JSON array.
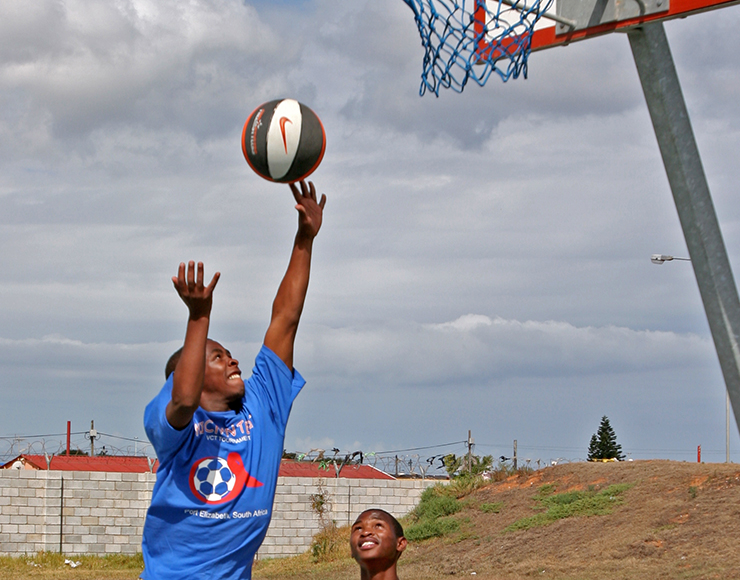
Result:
[{"x": 642, "y": 520}]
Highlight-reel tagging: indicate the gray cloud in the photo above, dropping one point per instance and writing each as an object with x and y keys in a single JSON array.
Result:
[{"x": 532, "y": 206}]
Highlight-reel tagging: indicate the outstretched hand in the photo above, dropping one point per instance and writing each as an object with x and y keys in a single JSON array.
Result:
[
  {"x": 310, "y": 211},
  {"x": 189, "y": 285}
]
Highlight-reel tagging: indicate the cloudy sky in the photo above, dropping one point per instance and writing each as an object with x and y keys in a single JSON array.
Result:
[{"x": 485, "y": 258}]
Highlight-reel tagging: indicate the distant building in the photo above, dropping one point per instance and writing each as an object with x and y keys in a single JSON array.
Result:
[
  {"x": 140, "y": 464},
  {"x": 107, "y": 463}
]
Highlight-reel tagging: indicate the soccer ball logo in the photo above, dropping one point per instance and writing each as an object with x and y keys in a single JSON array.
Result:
[
  {"x": 215, "y": 480},
  {"x": 212, "y": 479}
]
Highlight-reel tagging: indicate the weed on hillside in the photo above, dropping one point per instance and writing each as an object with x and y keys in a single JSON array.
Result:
[{"x": 568, "y": 504}]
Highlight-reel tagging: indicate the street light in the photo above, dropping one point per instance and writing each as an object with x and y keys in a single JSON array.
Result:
[{"x": 662, "y": 259}]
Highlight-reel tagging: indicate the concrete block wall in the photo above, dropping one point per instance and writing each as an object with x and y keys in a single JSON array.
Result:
[
  {"x": 294, "y": 522},
  {"x": 100, "y": 513},
  {"x": 104, "y": 512}
]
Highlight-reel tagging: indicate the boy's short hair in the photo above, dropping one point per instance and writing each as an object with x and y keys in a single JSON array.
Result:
[
  {"x": 169, "y": 368},
  {"x": 397, "y": 527}
]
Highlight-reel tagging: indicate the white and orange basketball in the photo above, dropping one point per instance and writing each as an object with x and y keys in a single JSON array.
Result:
[{"x": 283, "y": 141}]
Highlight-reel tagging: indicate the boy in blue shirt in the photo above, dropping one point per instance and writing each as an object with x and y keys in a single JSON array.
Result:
[{"x": 219, "y": 439}]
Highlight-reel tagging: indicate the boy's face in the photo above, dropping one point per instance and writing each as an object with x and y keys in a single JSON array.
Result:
[
  {"x": 222, "y": 374},
  {"x": 374, "y": 539}
]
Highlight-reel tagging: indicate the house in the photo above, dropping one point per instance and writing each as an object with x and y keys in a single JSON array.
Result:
[
  {"x": 107, "y": 463},
  {"x": 141, "y": 464}
]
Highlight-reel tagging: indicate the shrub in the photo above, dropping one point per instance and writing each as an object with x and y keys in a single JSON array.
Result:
[
  {"x": 431, "y": 529},
  {"x": 330, "y": 544}
]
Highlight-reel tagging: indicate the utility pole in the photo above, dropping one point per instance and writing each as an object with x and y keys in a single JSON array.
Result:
[
  {"x": 470, "y": 452},
  {"x": 92, "y": 435}
]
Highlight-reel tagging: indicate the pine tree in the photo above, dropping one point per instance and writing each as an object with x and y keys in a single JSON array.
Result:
[{"x": 604, "y": 443}]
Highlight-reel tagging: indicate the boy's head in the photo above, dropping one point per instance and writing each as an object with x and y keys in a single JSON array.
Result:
[
  {"x": 376, "y": 540},
  {"x": 222, "y": 373}
]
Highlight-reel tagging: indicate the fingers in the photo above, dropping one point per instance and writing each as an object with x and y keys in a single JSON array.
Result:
[
  {"x": 308, "y": 190},
  {"x": 191, "y": 278},
  {"x": 214, "y": 281},
  {"x": 296, "y": 194},
  {"x": 179, "y": 280}
]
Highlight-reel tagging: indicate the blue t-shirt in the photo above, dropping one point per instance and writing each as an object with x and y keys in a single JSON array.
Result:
[{"x": 212, "y": 500}]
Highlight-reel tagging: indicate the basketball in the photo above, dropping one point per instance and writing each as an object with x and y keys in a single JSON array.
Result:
[{"x": 283, "y": 141}]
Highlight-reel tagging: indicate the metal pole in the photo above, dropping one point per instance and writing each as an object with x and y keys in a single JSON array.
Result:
[
  {"x": 727, "y": 429},
  {"x": 693, "y": 201}
]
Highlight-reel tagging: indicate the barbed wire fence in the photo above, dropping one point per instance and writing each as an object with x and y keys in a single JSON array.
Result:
[
  {"x": 420, "y": 462},
  {"x": 51, "y": 444}
]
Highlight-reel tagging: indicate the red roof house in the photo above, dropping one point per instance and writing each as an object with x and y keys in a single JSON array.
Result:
[
  {"x": 290, "y": 468},
  {"x": 110, "y": 463},
  {"x": 140, "y": 464}
]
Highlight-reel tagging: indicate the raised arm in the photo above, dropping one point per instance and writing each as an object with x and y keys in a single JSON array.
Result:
[
  {"x": 291, "y": 295},
  {"x": 188, "y": 380}
]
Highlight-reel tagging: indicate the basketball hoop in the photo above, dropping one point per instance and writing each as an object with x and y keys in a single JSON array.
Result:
[{"x": 471, "y": 39}]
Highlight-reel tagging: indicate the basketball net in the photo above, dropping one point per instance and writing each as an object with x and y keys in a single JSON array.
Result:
[{"x": 471, "y": 39}]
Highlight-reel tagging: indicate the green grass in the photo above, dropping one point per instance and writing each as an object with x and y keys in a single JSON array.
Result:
[
  {"x": 51, "y": 565},
  {"x": 431, "y": 529},
  {"x": 432, "y": 517},
  {"x": 491, "y": 508},
  {"x": 557, "y": 506}
]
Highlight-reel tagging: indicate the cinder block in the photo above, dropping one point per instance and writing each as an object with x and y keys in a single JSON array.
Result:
[
  {"x": 95, "y": 549},
  {"x": 16, "y": 519},
  {"x": 112, "y": 548},
  {"x": 130, "y": 530}
]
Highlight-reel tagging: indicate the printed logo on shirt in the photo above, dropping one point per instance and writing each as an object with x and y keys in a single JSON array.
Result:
[
  {"x": 215, "y": 480},
  {"x": 236, "y": 433}
]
